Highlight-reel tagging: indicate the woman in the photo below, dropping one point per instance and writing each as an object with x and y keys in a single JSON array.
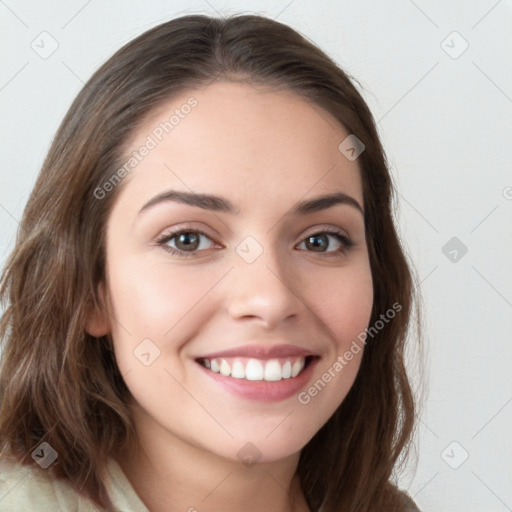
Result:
[{"x": 207, "y": 296}]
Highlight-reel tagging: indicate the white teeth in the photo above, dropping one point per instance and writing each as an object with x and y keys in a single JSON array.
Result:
[
  {"x": 297, "y": 367},
  {"x": 254, "y": 369},
  {"x": 287, "y": 370},
  {"x": 225, "y": 369},
  {"x": 238, "y": 371},
  {"x": 273, "y": 370}
]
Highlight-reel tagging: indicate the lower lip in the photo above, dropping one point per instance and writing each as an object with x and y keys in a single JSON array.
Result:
[{"x": 262, "y": 390}]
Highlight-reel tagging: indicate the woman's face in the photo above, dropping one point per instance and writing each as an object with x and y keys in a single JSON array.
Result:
[{"x": 211, "y": 325}]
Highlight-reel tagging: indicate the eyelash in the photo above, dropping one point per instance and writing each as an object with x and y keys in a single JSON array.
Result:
[{"x": 346, "y": 243}]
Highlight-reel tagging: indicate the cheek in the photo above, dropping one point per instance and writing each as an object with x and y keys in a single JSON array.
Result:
[
  {"x": 344, "y": 303},
  {"x": 157, "y": 296},
  {"x": 156, "y": 301}
]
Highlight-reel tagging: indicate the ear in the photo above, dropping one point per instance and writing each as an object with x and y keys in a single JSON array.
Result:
[{"x": 97, "y": 323}]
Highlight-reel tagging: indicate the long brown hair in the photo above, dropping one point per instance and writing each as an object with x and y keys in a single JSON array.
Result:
[{"x": 60, "y": 385}]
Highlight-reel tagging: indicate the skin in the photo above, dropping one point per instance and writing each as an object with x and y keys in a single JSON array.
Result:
[{"x": 263, "y": 150}]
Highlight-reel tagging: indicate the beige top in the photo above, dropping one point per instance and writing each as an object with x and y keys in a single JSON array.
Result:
[{"x": 24, "y": 488}]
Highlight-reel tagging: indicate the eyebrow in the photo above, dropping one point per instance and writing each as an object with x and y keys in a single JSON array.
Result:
[{"x": 220, "y": 204}]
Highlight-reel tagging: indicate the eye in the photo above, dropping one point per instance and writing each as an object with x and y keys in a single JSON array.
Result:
[
  {"x": 186, "y": 241},
  {"x": 321, "y": 241}
]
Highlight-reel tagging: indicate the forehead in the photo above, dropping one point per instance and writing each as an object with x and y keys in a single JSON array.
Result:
[{"x": 242, "y": 140}]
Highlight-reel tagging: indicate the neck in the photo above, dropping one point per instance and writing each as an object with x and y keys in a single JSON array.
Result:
[{"x": 185, "y": 477}]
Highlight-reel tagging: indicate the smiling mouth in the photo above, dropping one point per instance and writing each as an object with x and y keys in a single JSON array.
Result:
[{"x": 252, "y": 369}]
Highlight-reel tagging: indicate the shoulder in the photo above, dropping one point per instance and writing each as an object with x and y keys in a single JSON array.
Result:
[
  {"x": 27, "y": 487},
  {"x": 408, "y": 503}
]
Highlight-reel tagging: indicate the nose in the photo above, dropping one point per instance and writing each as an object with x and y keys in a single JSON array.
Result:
[{"x": 266, "y": 291}]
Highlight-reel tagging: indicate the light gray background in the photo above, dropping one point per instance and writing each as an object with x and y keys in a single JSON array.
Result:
[{"x": 445, "y": 120}]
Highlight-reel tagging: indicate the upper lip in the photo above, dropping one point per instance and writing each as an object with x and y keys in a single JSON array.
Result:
[{"x": 261, "y": 352}]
